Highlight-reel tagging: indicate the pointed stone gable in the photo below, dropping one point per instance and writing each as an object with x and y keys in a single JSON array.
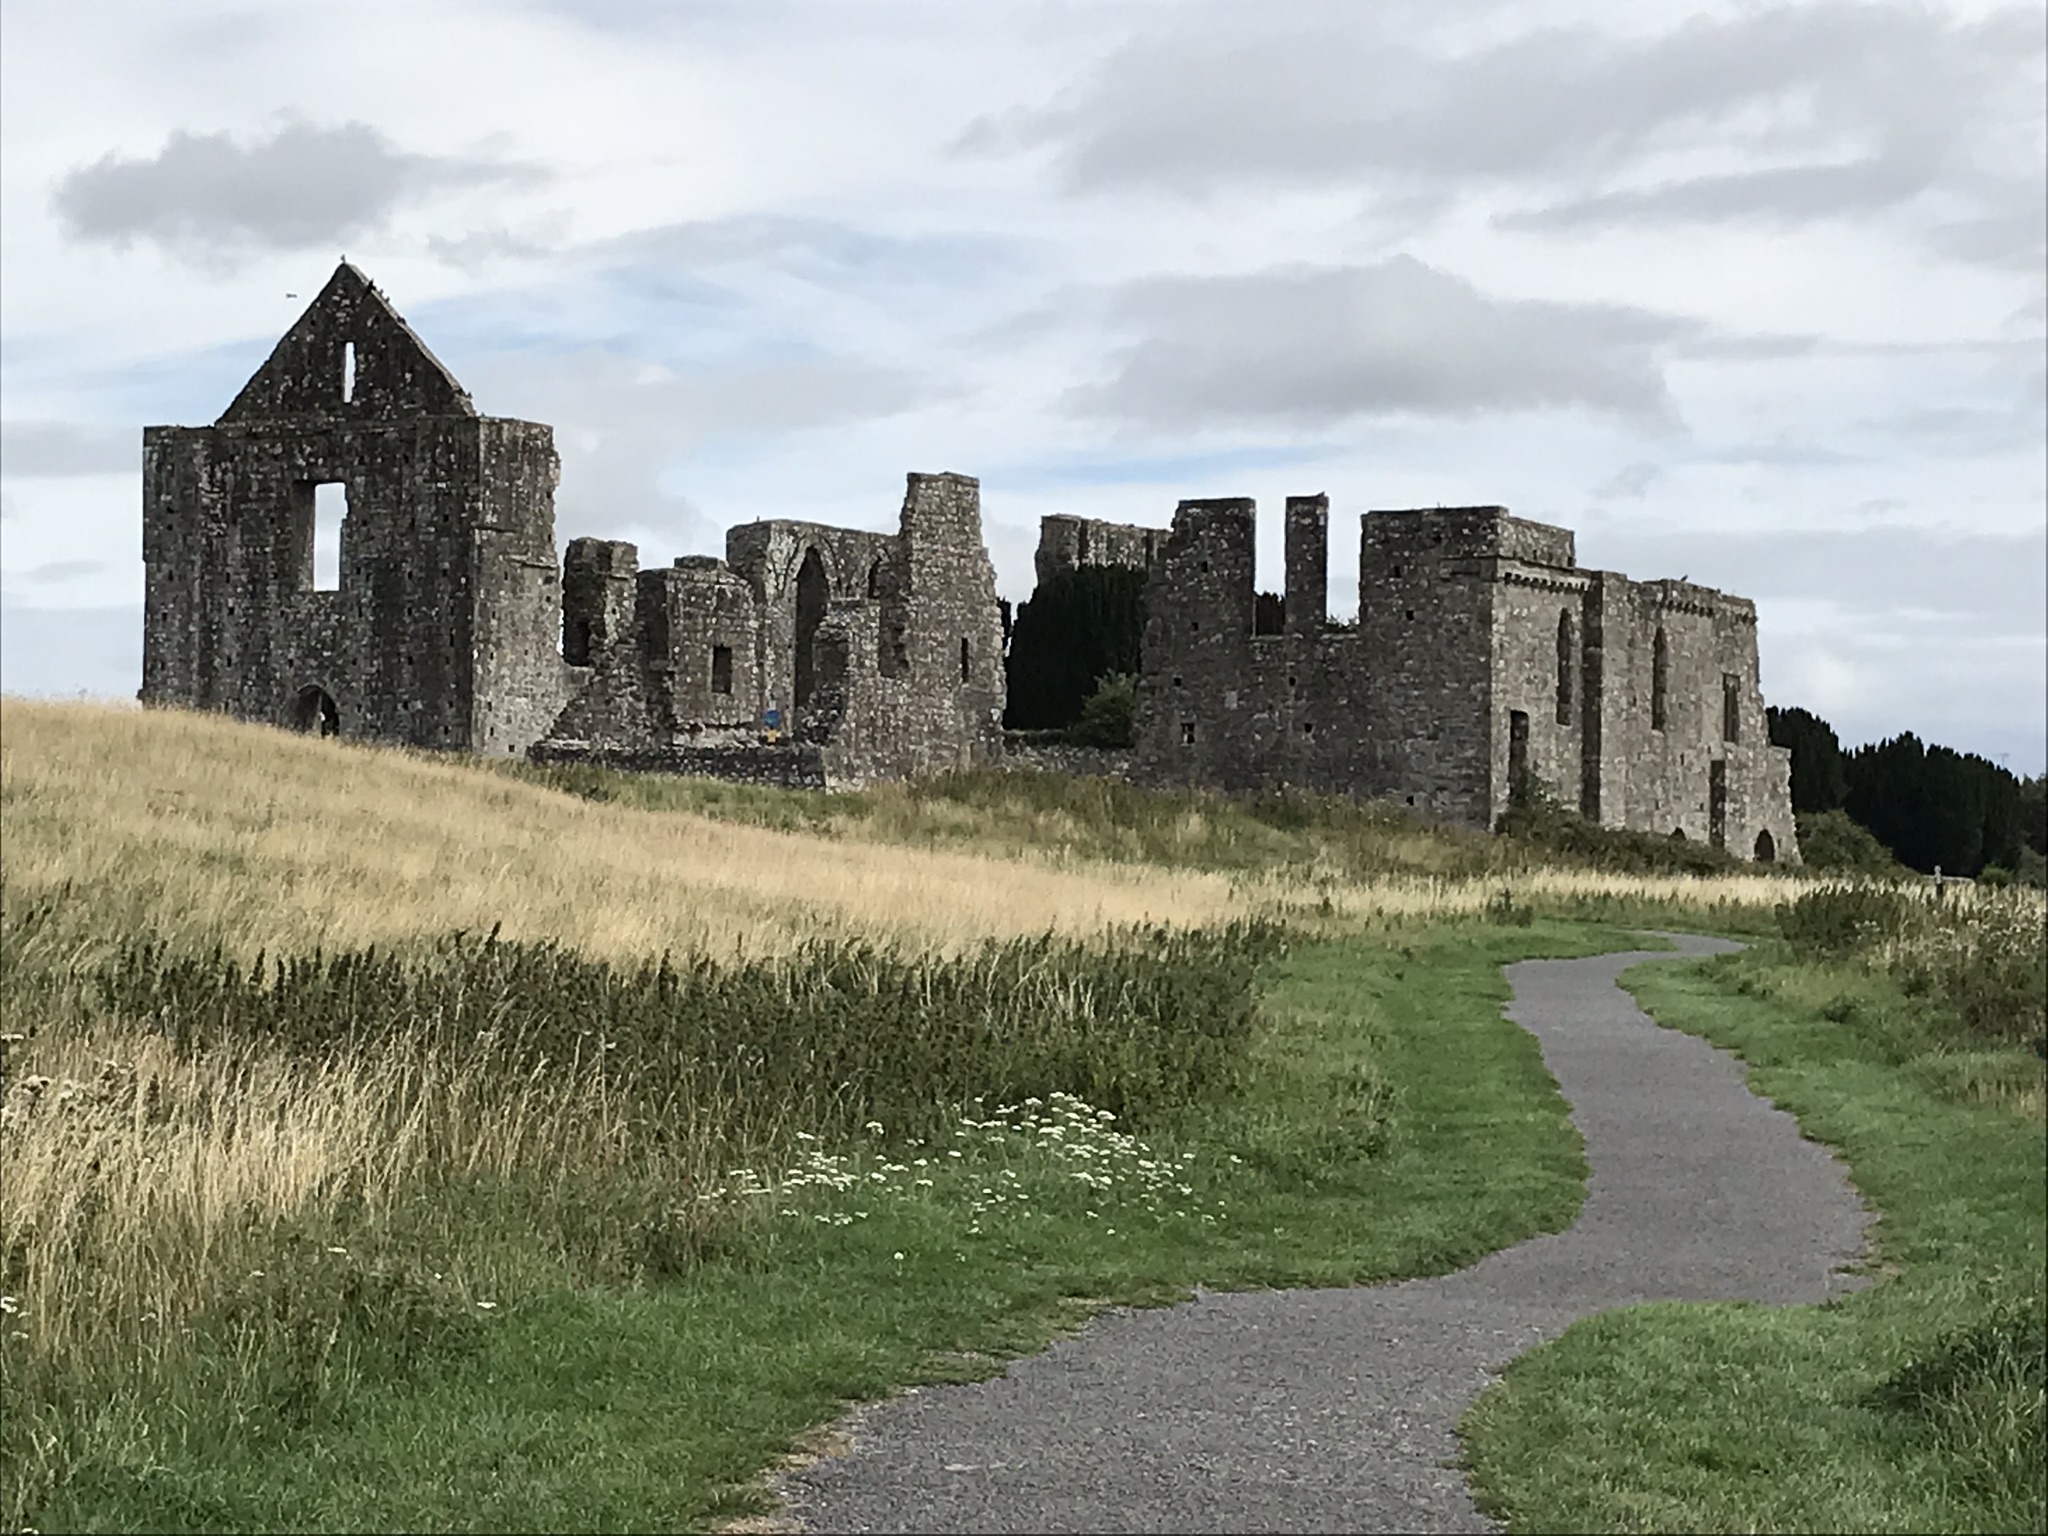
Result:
[{"x": 350, "y": 357}]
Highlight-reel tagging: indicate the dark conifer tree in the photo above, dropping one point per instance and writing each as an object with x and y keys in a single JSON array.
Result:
[
  {"x": 1075, "y": 630},
  {"x": 1819, "y": 780}
]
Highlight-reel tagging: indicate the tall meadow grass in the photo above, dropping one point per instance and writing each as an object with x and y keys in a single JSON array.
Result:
[{"x": 313, "y": 1050}]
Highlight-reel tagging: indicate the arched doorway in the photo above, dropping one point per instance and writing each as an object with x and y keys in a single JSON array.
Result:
[
  {"x": 813, "y": 592},
  {"x": 315, "y": 712},
  {"x": 1766, "y": 847}
]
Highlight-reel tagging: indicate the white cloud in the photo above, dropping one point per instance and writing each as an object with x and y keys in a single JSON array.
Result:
[{"x": 766, "y": 257}]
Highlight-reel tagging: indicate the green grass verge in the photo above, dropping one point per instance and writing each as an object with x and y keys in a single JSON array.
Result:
[
  {"x": 1392, "y": 1123},
  {"x": 1915, "y": 1405}
]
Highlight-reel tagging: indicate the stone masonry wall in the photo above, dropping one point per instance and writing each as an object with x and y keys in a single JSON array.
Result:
[
  {"x": 890, "y": 646},
  {"x": 231, "y": 617},
  {"x": 1482, "y": 657},
  {"x": 813, "y": 655},
  {"x": 1068, "y": 543}
]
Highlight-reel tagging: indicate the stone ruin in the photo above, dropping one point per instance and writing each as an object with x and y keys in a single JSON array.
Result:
[
  {"x": 808, "y": 656},
  {"x": 1483, "y": 662},
  {"x": 431, "y": 611}
]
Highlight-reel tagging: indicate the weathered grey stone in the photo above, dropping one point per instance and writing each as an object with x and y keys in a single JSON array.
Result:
[
  {"x": 819, "y": 656},
  {"x": 1067, "y": 543},
  {"x": 1482, "y": 655},
  {"x": 443, "y": 630},
  {"x": 810, "y": 655}
]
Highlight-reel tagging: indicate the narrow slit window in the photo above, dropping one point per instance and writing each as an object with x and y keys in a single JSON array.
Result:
[
  {"x": 1567, "y": 665},
  {"x": 966, "y": 668},
  {"x": 1731, "y": 707},
  {"x": 330, "y": 511},
  {"x": 721, "y": 669},
  {"x": 348, "y": 372},
  {"x": 1660, "y": 678}
]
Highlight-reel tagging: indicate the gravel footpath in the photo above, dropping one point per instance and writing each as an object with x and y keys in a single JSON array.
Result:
[{"x": 1333, "y": 1410}]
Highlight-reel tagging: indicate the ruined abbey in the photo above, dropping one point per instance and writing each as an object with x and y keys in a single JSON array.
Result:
[
  {"x": 808, "y": 656},
  {"x": 1483, "y": 661}
]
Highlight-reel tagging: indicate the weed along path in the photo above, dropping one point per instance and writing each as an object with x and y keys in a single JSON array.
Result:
[{"x": 1334, "y": 1410}]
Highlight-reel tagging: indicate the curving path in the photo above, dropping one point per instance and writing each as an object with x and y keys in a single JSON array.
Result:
[{"x": 1333, "y": 1410}]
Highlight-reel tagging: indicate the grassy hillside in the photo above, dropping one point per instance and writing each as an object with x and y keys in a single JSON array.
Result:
[
  {"x": 212, "y": 830},
  {"x": 396, "y": 1140}
]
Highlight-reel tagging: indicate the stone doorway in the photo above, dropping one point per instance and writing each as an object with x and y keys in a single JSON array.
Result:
[{"x": 315, "y": 712}]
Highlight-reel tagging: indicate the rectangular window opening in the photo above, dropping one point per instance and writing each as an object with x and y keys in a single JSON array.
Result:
[
  {"x": 1731, "y": 707},
  {"x": 721, "y": 669},
  {"x": 330, "y": 511},
  {"x": 1187, "y": 733}
]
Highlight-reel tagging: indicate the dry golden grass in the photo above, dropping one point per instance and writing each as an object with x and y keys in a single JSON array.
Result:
[
  {"x": 206, "y": 827},
  {"x": 201, "y": 830},
  {"x": 160, "y": 1171}
]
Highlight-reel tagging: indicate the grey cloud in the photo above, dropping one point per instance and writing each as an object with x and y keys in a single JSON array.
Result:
[
  {"x": 2012, "y": 234},
  {"x": 1783, "y": 452},
  {"x": 1313, "y": 346},
  {"x": 1794, "y": 193},
  {"x": 812, "y": 245},
  {"x": 1873, "y": 572},
  {"x": 61, "y": 571},
  {"x": 35, "y": 448},
  {"x": 1631, "y": 482},
  {"x": 623, "y": 428},
  {"x": 480, "y": 247},
  {"x": 1912, "y": 96},
  {"x": 303, "y": 186},
  {"x": 1969, "y": 430}
]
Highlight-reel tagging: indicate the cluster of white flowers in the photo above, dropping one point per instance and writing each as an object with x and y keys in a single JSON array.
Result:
[
  {"x": 1005, "y": 1152},
  {"x": 1081, "y": 1143}
]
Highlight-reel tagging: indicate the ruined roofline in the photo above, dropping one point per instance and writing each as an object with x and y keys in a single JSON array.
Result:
[
  {"x": 1498, "y": 515},
  {"x": 280, "y": 390},
  {"x": 807, "y": 525},
  {"x": 1684, "y": 596}
]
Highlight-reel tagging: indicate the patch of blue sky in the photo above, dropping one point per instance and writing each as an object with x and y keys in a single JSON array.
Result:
[
  {"x": 807, "y": 243},
  {"x": 188, "y": 388},
  {"x": 1155, "y": 469},
  {"x": 624, "y": 310}
]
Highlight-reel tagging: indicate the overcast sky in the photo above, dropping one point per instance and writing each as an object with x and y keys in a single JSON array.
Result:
[{"x": 1748, "y": 293}]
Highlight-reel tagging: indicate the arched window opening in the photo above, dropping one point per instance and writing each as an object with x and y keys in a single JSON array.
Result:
[
  {"x": 1660, "y": 678},
  {"x": 875, "y": 580},
  {"x": 348, "y": 372},
  {"x": 1766, "y": 847},
  {"x": 813, "y": 593},
  {"x": 1567, "y": 666},
  {"x": 315, "y": 712}
]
